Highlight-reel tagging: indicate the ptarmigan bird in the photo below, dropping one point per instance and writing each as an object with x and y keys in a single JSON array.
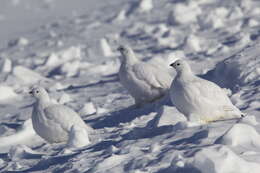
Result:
[
  {"x": 199, "y": 99},
  {"x": 145, "y": 82},
  {"x": 53, "y": 122}
]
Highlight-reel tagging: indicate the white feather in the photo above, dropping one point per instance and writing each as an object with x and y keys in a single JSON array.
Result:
[
  {"x": 51, "y": 121},
  {"x": 199, "y": 99},
  {"x": 145, "y": 82}
]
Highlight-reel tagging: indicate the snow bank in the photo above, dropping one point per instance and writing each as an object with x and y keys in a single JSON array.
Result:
[
  {"x": 241, "y": 135},
  {"x": 26, "y": 75},
  {"x": 62, "y": 56},
  {"x": 22, "y": 152},
  {"x": 5, "y": 65},
  {"x": 23, "y": 136},
  {"x": 19, "y": 42},
  {"x": 69, "y": 69},
  {"x": 120, "y": 16},
  {"x": 214, "y": 159},
  {"x": 64, "y": 98},
  {"x": 171, "y": 38},
  {"x": 240, "y": 69},
  {"x": 195, "y": 44},
  {"x": 106, "y": 68},
  {"x": 215, "y": 19},
  {"x": 170, "y": 116},
  {"x": 105, "y": 48},
  {"x": 88, "y": 109},
  {"x": 6, "y": 93},
  {"x": 183, "y": 13},
  {"x": 145, "y": 5}
]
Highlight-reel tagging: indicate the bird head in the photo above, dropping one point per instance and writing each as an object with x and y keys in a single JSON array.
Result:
[
  {"x": 128, "y": 55},
  {"x": 39, "y": 93},
  {"x": 124, "y": 50},
  {"x": 180, "y": 66}
]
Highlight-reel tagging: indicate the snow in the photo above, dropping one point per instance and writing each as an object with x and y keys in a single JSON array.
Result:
[
  {"x": 22, "y": 152},
  {"x": 185, "y": 13},
  {"x": 62, "y": 56},
  {"x": 145, "y": 5},
  {"x": 107, "y": 52},
  {"x": 6, "y": 65},
  {"x": 88, "y": 108},
  {"x": 223, "y": 159},
  {"x": 241, "y": 134},
  {"x": 19, "y": 42},
  {"x": 64, "y": 98},
  {"x": 6, "y": 93},
  {"x": 27, "y": 76},
  {"x": 69, "y": 47}
]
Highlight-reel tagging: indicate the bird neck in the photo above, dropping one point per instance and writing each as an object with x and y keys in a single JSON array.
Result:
[
  {"x": 43, "y": 102},
  {"x": 185, "y": 74},
  {"x": 130, "y": 59}
]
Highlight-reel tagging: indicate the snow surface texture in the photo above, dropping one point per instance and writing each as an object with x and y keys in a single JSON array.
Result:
[
  {"x": 199, "y": 99},
  {"x": 69, "y": 47},
  {"x": 145, "y": 82}
]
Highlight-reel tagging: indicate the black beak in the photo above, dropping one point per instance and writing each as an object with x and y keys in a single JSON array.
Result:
[
  {"x": 172, "y": 64},
  {"x": 31, "y": 92}
]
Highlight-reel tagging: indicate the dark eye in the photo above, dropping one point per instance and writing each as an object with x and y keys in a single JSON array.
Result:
[
  {"x": 178, "y": 64},
  {"x": 37, "y": 91},
  {"x": 120, "y": 49}
]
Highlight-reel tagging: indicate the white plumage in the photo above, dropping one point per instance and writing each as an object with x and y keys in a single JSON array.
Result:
[
  {"x": 78, "y": 137},
  {"x": 199, "y": 99},
  {"x": 145, "y": 82},
  {"x": 53, "y": 122}
]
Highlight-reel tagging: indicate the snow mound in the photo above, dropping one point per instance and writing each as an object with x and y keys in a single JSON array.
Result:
[
  {"x": 62, "y": 56},
  {"x": 64, "y": 98},
  {"x": 195, "y": 43},
  {"x": 69, "y": 69},
  {"x": 145, "y": 5},
  {"x": 120, "y": 16},
  {"x": 183, "y": 13},
  {"x": 240, "y": 135},
  {"x": 170, "y": 116},
  {"x": 240, "y": 69},
  {"x": 6, "y": 93},
  {"x": 214, "y": 159},
  {"x": 19, "y": 42},
  {"x": 5, "y": 65},
  {"x": 58, "y": 86},
  {"x": 106, "y": 68},
  {"x": 88, "y": 109},
  {"x": 216, "y": 18},
  {"x": 105, "y": 48},
  {"x": 23, "y": 136},
  {"x": 21, "y": 152},
  {"x": 27, "y": 76}
]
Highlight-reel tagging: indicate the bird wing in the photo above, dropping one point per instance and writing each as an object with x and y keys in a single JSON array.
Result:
[
  {"x": 212, "y": 92},
  {"x": 63, "y": 116},
  {"x": 155, "y": 77}
]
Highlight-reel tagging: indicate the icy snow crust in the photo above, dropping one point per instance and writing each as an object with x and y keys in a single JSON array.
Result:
[{"x": 75, "y": 58}]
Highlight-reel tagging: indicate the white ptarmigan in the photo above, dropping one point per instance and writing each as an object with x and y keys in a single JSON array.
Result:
[
  {"x": 145, "y": 82},
  {"x": 199, "y": 99},
  {"x": 53, "y": 122}
]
